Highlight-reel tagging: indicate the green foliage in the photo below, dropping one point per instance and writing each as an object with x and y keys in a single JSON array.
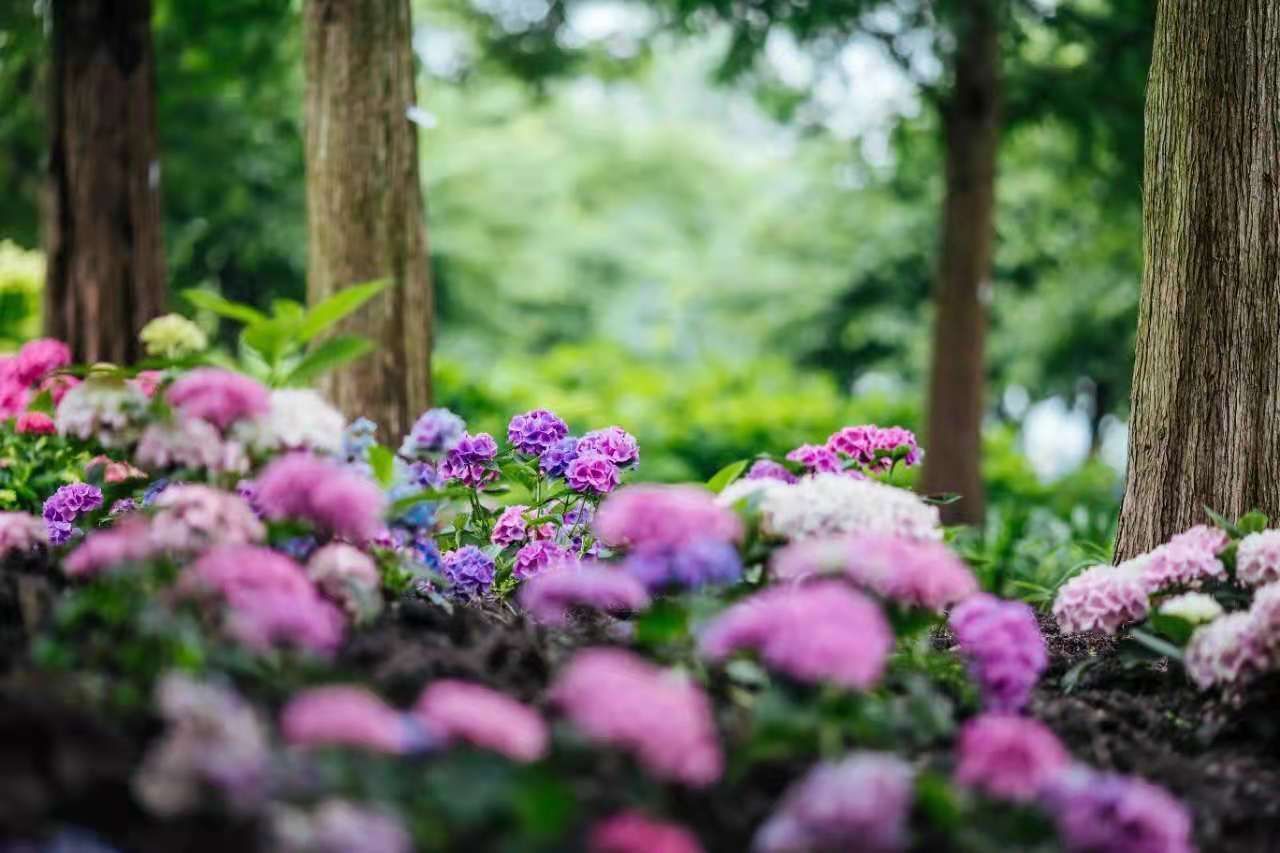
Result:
[
  {"x": 21, "y": 289},
  {"x": 32, "y": 467}
]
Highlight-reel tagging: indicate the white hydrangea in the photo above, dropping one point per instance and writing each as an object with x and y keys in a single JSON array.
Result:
[
  {"x": 1195, "y": 607},
  {"x": 173, "y": 336},
  {"x": 104, "y": 408},
  {"x": 834, "y": 504},
  {"x": 1258, "y": 558},
  {"x": 298, "y": 419}
]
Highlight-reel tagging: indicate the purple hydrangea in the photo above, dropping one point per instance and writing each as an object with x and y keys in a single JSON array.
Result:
[
  {"x": 816, "y": 458},
  {"x": 436, "y": 431},
  {"x": 470, "y": 462},
  {"x": 1008, "y": 757},
  {"x": 614, "y": 443},
  {"x": 592, "y": 472},
  {"x": 767, "y": 469},
  {"x": 154, "y": 489},
  {"x": 702, "y": 562},
  {"x": 890, "y": 439},
  {"x": 1109, "y": 813},
  {"x": 469, "y": 570},
  {"x": 537, "y": 557},
  {"x": 66, "y": 505},
  {"x": 556, "y": 458},
  {"x": 1005, "y": 648},
  {"x": 535, "y": 431},
  {"x": 510, "y": 528}
]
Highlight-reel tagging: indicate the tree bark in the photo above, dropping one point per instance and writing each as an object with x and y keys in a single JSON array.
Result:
[
  {"x": 364, "y": 204},
  {"x": 1206, "y": 381},
  {"x": 971, "y": 119},
  {"x": 103, "y": 240}
]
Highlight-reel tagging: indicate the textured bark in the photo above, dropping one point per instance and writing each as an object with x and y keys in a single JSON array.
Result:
[
  {"x": 106, "y": 274},
  {"x": 1206, "y": 382},
  {"x": 971, "y": 118},
  {"x": 364, "y": 203}
]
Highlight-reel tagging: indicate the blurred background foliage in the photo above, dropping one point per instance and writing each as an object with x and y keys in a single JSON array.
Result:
[{"x": 720, "y": 235}]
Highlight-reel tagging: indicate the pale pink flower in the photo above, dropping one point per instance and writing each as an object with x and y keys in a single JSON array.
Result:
[
  {"x": 1008, "y": 756},
  {"x": 345, "y": 715},
  {"x": 334, "y": 498},
  {"x": 218, "y": 396},
  {"x": 1258, "y": 558},
  {"x": 190, "y": 518},
  {"x": 633, "y": 832},
  {"x": 552, "y": 595},
  {"x": 348, "y": 576},
  {"x": 459, "y": 711},
  {"x": 21, "y": 533},
  {"x": 126, "y": 542},
  {"x": 1103, "y": 598},
  {"x": 664, "y": 515}
]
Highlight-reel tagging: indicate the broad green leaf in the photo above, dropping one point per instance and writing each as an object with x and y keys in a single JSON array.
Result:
[
  {"x": 43, "y": 402},
  {"x": 1160, "y": 646},
  {"x": 272, "y": 338},
  {"x": 207, "y": 301},
  {"x": 1222, "y": 522},
  {"x": 727, "y": 475},
  {"x": 383, "y": 463},
  {"x": 329, "y": 311},
  {"x": 1252, "y": 522},
  {"x": 334, "y": 352},
  {"x": 288, "y": 309},
  {"x": 1176, "y": 628}
]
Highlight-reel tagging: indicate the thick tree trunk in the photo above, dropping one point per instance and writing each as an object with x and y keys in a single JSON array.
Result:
[
  {"x": 1206, "y": 383},
  {"x": 971, "y": 118},
  {"x": 106, "y": 274},
  {"x": 364, "y": 203}
]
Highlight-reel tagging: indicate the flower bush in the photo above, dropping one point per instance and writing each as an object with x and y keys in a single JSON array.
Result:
[{"x": 514, "y": 642}]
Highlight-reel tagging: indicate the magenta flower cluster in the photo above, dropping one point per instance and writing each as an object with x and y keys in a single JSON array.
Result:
[
  {"x": 613, "y": 443},
  {"x": 218, "y": 396},
  {"x": 633, "y": 832},
  {"x": 874, "y": 447},
  {"x": 335, "y": 499},
  {"x": 20, "y": 373},
  {"x": 470, "y": 461},
  {"x": 1099, "y": 812},
  {"x": 1008, "y": 757},
  {"x": 551, "y": 596},
  {"x": 435, "y": 431},
  {"x": 767, "y": 469},
  {"x": 1004, "y": 646},
  {"x": 536, "y": 557},
  {"x": 535, "y": 432},
  {"x": 615, "y": 697},
  {"x": 461, "y": 712},
  {"x": 67, "y": 504},
  {"x": 816, "y": 458},
  {"x": 652, "y": 515},
  {"x": 820, "y": 632},
  {"x": 591, "y": 473}
]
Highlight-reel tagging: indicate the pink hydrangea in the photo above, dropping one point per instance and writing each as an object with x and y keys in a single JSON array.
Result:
[
  {"x": 1103, "y": 598},
  {"x": 127, "y": 542},
  {"x": 35, "y": 423},
  {"x": 536, "y": 557},
  {"x": 471, "y": 713},
  {"x": 57, "y": 385},
  {"x": 861, "y": 444},
  {"x": 189, "y": 443},
  {"x": 670, "y": 516},
  {"x": 190, "y": 518},
  {"x": 1008, "y": 756},
  {"x": 470, "y": 460},
  {"x": 907, "y": 571},
  {"x": 856, "y": 442},
  {"x": 550, "y": 596},
  {"x": 348, "y": 576},
  {"x": 1187, "y": 559},
  {"x": 218, "y": 396},
  {"x": 21, "y": 533},
  {"x": 39, "y": 358},
  {"x": 816, "y": 458},
  {"x": 346, "y": 715},
  {"x": 633, "y": 832},
  {"x": 861, "y": 802},
  {"x": 112, "y": 471},
  {"x": 591, "y": 473},
  {"x": 1258, "y": 558},
  {"x": 147, "y": 381},
  {"x": 1098, "y": 812},
  {"x": 334, "y": 498},
  {"x": 1224, "y": 651},
  {"x": 1265, "y": 613},
  {"x": 767, "y": 469},
  {"x": 814, "y": 633},
  {"x": 14, "y": 397},
  {"x": 510, "y": 528},
  {"x": 1005, "y": 648},
  {"x": 613, "y": 443},
  {"x": 617, "y": 698}
]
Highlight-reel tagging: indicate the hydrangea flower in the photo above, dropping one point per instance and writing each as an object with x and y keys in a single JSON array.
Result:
[
  {"x": 40, "y": 357},
  {"x": 510, "y": 528},
  {"x": 332, "y": 497},
  {"x": 112, "y": 471},
  {"x": 816, "y": 459},
  {"x": 218, "y": 396},
  {"x": 1265, "y": 613},
  {"x": 861, "y": 802},
  {"x": 101, "y": 409},
  {"x": 1187, "y": 559},
  {"x": 653, "y": 515},
  {"x": 127, "y": 542},
  {"x": 435, "y": 431},
  {"x": 213, "y": 741},
  {"x": 591, "y": 473},
  {"x": 468, "y": 570},
  {"x": 695, "y": 564},
  {"x": 357, "y": 438},
  {"x": 834, "y": 504},
  {"x": 1008, "y": 757},
  {"x": 1194, "y": 607},
  {"x": 1005, "y": 648},
  {"x": 338, "y": 826},
  {"x": 633, "y": 832},
  {"x": 550, "y": 596},
  {"x": 471, "y": 713},
  {"x": 145, "y": 382},
  {"x": 470, "y": 462},
  {"x": 767, "y": 469},
  {"x": 1258, "y": 558},
  {"x": 616, "y": 697},
  {"x": 613, "y": 443},
  {"x": 297, "y": 419},
  {"x": 1224, "y": 651},
  {"x": 537, "y": 557},
  {"x": 1103, "y": 598},
  {"x": 67, "y": 504},
  {"x": 535, "y": 431},
  {"x": 172, "y": 336},
  {"x": 21, "y": 533},
  {"x": 910, "y": 572},
  {"x": 1099, "y": 812},
  {"x": 347, "y": 715},
  {"x": 861, "y": 443},
  {"x": 349, "y": 577},
  {"x": 35, "y": 423},
  {"x": 822, "y": 632},
  {"x": 189, "y": 443},
  {"x": 556, "y": 458},
  {"x": 57, "y": 385}
]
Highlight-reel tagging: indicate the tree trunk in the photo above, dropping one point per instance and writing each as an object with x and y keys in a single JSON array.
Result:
[
  {"x": 1206, "y": 382},
  {"x": 103, "y": 240},
  {"x": 364, "y": 204},
  {"x": 971, "y": 119}
]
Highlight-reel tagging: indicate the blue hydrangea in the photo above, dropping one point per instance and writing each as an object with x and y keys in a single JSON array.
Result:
[
  {"x": 556, "y": 458},
  {"x": 468, "y": 570},
  {"x": 703, "y": 562},
  {"x": 436, "y": 431}
]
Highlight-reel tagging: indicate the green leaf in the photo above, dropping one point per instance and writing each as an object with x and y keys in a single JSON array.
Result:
[
  {"x": 1252, "y": 522},
  {"x": 383, "y": 463},
  {"x": 942, "y": 499},
  {"x": 727, "y": 475},
  {"x": 271, "y": 338},
  {"x": 666, "y": 622},
  {"x": 521, "y": 473},
  {"x": 1176, "y": 628},
  {"x": 43, "y": 402},
  {"x": 1222, "y": 522},
  {"x": 333, "y": 353},
  {"x": 346, "y": 301},
  {"x": 1158, "y": 645},
  {"x": 208, "y": 301}
]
